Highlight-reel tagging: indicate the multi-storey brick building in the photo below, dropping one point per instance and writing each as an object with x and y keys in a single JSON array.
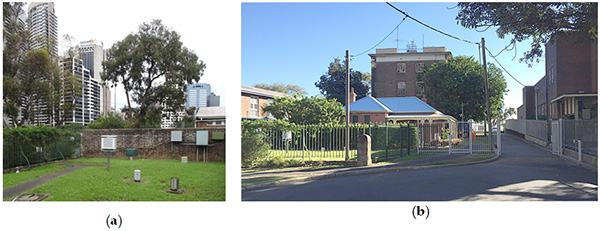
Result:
[
  {"x": 395, "y": 74},
  {"x": 569, "y": 89}
]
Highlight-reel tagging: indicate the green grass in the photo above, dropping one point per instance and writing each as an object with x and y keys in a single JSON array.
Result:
[
  {"x": 465, "y": 159},
  {"x": 331, "y": 155},
  {"x": 24, "y": 175},
  {"x": 200, "y": 181},
  {"x": 261, "y": 180},
  {"x": 407, "y": 158}
]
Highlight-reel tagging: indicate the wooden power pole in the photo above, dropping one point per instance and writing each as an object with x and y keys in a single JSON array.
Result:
[
  {"x": 487, "y": 95},
  {"x": 347, "y": 105}
]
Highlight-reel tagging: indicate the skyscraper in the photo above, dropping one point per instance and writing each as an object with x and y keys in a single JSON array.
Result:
[
  {"x": 197, "y": 95},
  {"x": 92, "y": 55},
  {"x": 88, "y": 99},
  {"x": 43, "y": 25},
  {"x": 213, "y": 100}
]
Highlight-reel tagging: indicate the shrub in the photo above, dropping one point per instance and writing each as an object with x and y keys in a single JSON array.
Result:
[{"x": 254, "y": 148}]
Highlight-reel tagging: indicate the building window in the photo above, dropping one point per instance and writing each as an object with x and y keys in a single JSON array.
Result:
[
  {"x": 254, "y": 106},
  {"x": 551, "y": 74},
  {"x": 420, "y": 89},
  {"x": 401, "y": 89},
  {"x": 355, "y": 119},
  {"x": 269, "y": 114},
  {"x": 367, "y": 119},
  {"x": 401, "y": 67},
  {"x": 419, "y": 67}
]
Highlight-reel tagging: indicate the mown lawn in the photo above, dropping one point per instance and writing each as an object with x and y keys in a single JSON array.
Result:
[
  {"x": 200, "y": 181},
  {"x": 24, "y": 175}
]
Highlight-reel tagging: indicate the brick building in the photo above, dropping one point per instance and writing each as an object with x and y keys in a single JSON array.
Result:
[
  {"x": 253, "y": 100},
  {"x": 395, "y": 74},
  {"x": 569, "y": 90}
]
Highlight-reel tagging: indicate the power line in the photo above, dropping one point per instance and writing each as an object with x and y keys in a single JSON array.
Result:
[
  {"x": 504, "y": 68},
  {"x": 430, "y": 27},
  {"x": 396, "y": 28}
]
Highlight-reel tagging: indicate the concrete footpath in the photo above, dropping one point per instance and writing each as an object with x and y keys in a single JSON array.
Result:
[
  {"x": 298, "y": 176},
  {"x": 16, "y": 190}
]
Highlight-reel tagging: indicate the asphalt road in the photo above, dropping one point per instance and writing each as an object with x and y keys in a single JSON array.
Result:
[{"x": 523, "y": 173}]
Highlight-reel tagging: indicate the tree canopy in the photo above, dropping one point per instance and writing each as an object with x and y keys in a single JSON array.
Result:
[
  {"x": 289, "y": 89},
  {"x": 333, "y": 83},
  {"x": 154, "y": 68},
  {"x": 536, "y": 21},
  {"x": 457, "y": 84},
  {"x": 306, "y": 110}
]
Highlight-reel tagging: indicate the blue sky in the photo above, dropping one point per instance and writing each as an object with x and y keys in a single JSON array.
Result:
[{"x": 293, "y": 43}]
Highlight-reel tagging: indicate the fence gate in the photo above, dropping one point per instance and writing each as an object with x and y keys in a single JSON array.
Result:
[
  {"x": 555, "y": 137},
  {"x": 461, "y": 137},
  {"x": 444, "y": 137}
]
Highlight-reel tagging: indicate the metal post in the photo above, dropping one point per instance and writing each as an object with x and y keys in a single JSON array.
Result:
[
  {"x": 498, "y": 139},
  {"x": 347, "y": 105},
  {"x": 386, "y": 141}
]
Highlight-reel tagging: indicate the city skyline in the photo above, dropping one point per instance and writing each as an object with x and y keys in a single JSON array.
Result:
[{"x": 110, "y": 30}]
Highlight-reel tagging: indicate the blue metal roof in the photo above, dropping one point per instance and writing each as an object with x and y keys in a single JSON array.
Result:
[
  {"x": 406, "y": 105},
  {"x": 392, "y": 105},
  {"x": 369, "y": 104}
]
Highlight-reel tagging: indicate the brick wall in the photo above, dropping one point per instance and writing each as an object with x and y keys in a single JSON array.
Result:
[
  {"x": 262, "y": 101},
  {"x": 154, "y": 144}
]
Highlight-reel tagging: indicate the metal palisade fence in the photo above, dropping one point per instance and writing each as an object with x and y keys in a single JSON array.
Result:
[{"x": 326, "y": 142}]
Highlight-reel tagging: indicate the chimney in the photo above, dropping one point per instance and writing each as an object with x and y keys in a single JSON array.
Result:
[{"x": 352, "y": 96}]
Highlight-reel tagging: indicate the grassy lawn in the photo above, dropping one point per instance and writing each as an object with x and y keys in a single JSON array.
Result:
[
  {"x": 24, "y": 175},
  {"x": 200, "y": 181},
  {"x": 261, "y": 180},
  {"x": 317, "y": 155},
  {"x": 465, "y": 159},
  {"x": 399, "y": 159}
]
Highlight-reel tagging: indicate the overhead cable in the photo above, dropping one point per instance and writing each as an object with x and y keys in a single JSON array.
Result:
[
  {"x": 504, "y": 68},
  {"x": 396, "y": 28},
  {"x": 430, "y": 27}
]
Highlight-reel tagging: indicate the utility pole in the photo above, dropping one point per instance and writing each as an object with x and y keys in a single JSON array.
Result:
[
  {"x": 487, "y": 94},
  {"x": 347, "y": 105}
]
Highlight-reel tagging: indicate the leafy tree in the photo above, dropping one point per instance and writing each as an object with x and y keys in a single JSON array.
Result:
[
  {"x": 460, "y": 80},
  {"x": 289, "y": 89},
  {"x": 112, "y": 121},
  {"x": 306, "y": 110},
  {"x": 333, "y": 83},
  {"x": 189, "y": 120},
  {"x": 504, "y": 114},
  {"x": 154, "y": 68},
  {"x": 536, "y": 21}
]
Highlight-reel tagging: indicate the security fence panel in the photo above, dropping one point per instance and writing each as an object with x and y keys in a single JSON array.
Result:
[
  {"x": 433, "y": 137},
  {"x": 19, "y": 153},
  {"x": 585, "y": 131},
  {"x": 313, "y": 142}
]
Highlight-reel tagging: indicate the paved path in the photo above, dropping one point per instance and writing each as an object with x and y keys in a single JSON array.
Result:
[
  {"x": 16, "y": 190},
  {"x": 524, "y": 172}
]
